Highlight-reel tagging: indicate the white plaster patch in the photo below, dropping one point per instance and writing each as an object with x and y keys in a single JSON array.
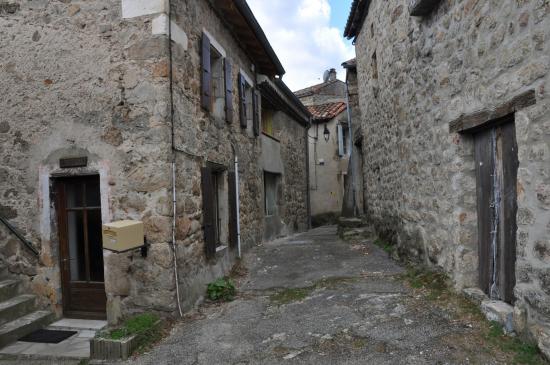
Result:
[
  {"x": 135, "y": 8},
  {"x": 44, "y": 203},
  {"x": 178, "y": 35},
  {"x": 105, "y": 191}
]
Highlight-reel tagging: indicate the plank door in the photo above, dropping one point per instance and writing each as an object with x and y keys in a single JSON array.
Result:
[
  {"x": 81, "y": 247},
  {"x": 496, "y": 173}
]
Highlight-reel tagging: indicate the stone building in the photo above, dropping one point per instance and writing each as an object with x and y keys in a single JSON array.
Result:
[
  {"x": 147, "y": 110},
  {"x": 328, "y": 145},
  {"x": 456, "y": 124}
]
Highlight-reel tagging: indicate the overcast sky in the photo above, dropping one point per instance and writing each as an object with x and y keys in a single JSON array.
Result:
[{"x": 306, "y": 35}]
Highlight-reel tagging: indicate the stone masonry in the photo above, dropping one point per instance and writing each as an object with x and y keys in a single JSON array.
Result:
[
  {"x": 93, "y": 78},
  {"x": 416, "y": 76}
]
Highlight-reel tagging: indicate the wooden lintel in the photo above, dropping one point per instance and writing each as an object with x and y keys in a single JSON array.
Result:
[{"x": 476, "y": 120}]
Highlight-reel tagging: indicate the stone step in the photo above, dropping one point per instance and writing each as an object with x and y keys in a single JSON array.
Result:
[
  {"x": 14, "y": 330},
  {"x": 8, "y": 289},
  {"x": 350, "y": 222},
  {"x": 16, "y": 307}
]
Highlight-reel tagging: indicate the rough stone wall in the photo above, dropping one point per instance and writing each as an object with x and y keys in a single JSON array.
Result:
[
  {"x": 420, "y": 179},
  {"x": 293, "y": 206},
  {"x": 201, "y": 137},
  {"x": 80, "y": 80}
]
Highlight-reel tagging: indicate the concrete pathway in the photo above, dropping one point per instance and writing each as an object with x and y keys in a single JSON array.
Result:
[{"x": 314, "y": 299}]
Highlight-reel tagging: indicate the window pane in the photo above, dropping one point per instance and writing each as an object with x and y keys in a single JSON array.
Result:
[
  {"x": 75, "y": 232},
  {"x": 93, "y": 198},
  {"x": 95, "y": 245},
  {"x": 73, "y": 191}
]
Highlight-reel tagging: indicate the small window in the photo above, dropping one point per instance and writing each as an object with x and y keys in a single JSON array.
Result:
[
  {"x": 217, "y": 83},
  {"x": 343, "y": 139},
  {"x": 267, "y": 121},
  {"x": 248, "y": 112},
  {"x": 270, "y": 192},
  {"x": 220, "y": 208}
]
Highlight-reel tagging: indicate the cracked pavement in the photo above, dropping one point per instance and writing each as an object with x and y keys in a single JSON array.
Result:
[{"x": 355, "y": 309}]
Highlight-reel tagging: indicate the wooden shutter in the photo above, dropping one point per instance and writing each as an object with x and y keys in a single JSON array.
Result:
[
  {"x": 233, "y": 229},
  {"x": 228, "y": 91},
  {"x": 340, "y": 140},
  {"x": 208, "y": 212},
  {"x": 206, "y": 87},
  {"x": 242, "y": 101},
  {"x": 256, "y": 110}
]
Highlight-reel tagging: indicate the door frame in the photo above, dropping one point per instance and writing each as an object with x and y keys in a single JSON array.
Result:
[{"x": 63, "y": 246}]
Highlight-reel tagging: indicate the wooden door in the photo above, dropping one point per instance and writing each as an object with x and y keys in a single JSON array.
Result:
[
  {"x": 80, "y": 247},
  {"x": 496, "y": 173}
]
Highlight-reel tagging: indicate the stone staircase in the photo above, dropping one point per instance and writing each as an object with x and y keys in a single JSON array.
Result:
[
  {"x": 354, "y": 228},
  {"x": 18, "y": 314}
]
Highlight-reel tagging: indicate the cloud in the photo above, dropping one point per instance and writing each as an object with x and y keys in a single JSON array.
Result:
[{"x": 301, "y": 35}]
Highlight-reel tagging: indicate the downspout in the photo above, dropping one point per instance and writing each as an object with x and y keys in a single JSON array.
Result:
[
  {"x": 308, "y": 193},
  {"x": 238, "y": 213},
  {"x": 174, "y": 195},
  {"x": 350, "y": 149}
]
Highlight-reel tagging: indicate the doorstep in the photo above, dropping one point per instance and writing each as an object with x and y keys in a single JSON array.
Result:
[{"x": 74, "y": 347}]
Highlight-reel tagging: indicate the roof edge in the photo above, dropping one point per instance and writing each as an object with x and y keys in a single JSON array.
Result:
[{"x": 247, "y": 13}]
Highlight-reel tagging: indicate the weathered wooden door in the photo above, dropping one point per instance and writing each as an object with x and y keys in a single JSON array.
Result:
[
  {"x": 81, "y": 248},
  {"x": 496, "y": 159}
]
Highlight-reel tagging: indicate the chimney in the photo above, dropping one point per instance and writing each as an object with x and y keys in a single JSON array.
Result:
[{"x": 332, "y": 74}]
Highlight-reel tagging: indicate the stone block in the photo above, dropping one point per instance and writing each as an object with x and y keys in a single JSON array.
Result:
[
  {"x": 476, "y": 295},
  {"x": 135, "y": 8},
  {"x": 500, "y": 312},
  {"x": 520, "y": 319}
]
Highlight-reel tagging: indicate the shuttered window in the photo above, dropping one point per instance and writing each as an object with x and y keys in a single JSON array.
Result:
[
  {"x": 216, "y": 81},
  {"x": 233, "y": 229}
]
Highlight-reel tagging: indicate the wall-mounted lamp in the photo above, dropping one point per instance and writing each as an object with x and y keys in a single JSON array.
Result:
[{"x": 326, "y": 133}]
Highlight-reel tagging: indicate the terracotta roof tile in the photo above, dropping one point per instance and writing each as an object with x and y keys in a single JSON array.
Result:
[{"x": 326, "y": 111}]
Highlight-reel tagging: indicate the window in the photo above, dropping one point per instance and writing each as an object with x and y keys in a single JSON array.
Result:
[
  {"x": 343, "y": 139},
  {"x": 217, "y": 85},
  {"x": 270, "y": 192},
  {"x": 215, "y": 208},
  {"x": 267, "y": 121},
  {"x": 249, "y": 104}
]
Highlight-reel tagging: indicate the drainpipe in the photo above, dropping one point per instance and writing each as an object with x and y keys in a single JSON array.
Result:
[
  {"x": 237, "y": 196},
  {"x": 308, "y": 193},
  {"x": 351, "y": 172},
  {"x": 174, "y": 200}
]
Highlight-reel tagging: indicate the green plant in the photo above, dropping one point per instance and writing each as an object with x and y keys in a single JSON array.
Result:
[
  {"x": 223, "y": 289},
  {"x": 524, "y": 353},
  {"x": 388, "y": 247},
  {"x": 140, "y": 324}
]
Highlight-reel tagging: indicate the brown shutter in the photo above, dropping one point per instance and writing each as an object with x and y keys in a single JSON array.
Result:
[
  {"x": 228, "y": 91},
  {"x": 208, "y": 212},
  {"x": 233, "y": 232},
  {"x": 256, "y": 110},
  {"x": 242, "y": 101},
  {"x": 206, "y": 87}
]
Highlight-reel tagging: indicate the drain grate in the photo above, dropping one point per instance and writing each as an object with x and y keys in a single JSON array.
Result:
[{"x": 47, "y": 336}]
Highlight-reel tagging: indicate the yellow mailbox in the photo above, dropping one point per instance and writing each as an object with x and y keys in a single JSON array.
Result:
[{"x": 122, "y": 236}]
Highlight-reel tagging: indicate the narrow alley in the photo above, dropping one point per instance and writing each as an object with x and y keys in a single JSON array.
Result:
[{"x": 315, "y": 299}]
